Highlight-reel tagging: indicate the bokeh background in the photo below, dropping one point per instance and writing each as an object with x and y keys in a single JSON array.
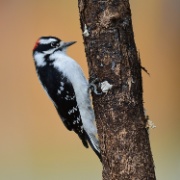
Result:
[{"x": 33, "y": 142}]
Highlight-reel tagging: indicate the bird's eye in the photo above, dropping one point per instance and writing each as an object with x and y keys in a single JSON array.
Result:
[{"x": 53, "y": 44}]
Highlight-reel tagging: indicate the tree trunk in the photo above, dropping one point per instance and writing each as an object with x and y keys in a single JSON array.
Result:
[{"x": 112, "y": 56}]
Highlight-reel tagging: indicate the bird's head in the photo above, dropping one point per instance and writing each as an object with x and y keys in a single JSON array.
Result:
[{"x": 48, "y": 45}]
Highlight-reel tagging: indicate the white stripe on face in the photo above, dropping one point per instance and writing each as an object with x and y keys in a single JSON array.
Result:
[{"x": 47, "y": 41}]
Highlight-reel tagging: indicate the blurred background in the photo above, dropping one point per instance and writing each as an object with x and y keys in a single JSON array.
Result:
[{"x": 34, "y": 144}]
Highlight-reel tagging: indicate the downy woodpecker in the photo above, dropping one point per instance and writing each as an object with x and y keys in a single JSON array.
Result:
[{"x": 63, "y": 80}]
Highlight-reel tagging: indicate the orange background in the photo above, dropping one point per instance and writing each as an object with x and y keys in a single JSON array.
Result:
[{"x": 34, "y": 144}]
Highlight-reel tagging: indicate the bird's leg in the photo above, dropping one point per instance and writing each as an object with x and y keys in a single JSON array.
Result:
[{"x": 94, "y": 85}]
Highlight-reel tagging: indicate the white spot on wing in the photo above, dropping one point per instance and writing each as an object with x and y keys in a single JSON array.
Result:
[
  {"x": 58, "y": 92},
  {"x": 67, "y": 97},
  {"x": 82, "y": 128},
  {"x": 72, "y": 111}
]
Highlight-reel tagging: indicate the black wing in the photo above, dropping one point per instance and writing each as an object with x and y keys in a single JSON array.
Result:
[{"x": 63, "y": 96}]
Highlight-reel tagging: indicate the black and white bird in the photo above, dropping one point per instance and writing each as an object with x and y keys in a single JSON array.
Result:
[{"x": 63, "y": 80}]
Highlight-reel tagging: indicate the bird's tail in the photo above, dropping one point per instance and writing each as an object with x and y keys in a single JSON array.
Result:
[{"x": 94, "y": 143}]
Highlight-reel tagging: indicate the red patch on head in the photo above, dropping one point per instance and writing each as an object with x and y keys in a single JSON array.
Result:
[{"x": 36, "y": 45}]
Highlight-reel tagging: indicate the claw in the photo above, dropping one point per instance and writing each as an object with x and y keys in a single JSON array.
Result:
[{"x": 94, "y": 87}]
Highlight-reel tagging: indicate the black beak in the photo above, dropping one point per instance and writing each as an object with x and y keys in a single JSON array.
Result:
[{"x": 67, "y": 44}]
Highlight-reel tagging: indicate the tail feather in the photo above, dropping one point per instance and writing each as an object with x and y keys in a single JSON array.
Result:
[
  {"x": 83, "y": 138},
  {"x": 94, "y": 143},
  {"x": 85, "y": 143}
]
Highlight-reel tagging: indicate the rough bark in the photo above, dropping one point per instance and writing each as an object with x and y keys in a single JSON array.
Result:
[{"x": 112, "y": 56}]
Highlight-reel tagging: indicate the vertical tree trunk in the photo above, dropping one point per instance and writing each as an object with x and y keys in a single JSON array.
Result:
[{"x": 112, "y": 56}]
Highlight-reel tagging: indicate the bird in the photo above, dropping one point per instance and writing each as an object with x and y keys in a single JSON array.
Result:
[{"x": 64, "y": 82}]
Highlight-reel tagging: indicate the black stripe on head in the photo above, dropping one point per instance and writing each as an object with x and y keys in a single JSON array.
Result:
[{"x": 46, "y": 43}]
